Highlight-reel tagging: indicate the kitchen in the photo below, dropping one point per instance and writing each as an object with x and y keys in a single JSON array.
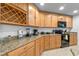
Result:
[{"x": 26, "y": 30}]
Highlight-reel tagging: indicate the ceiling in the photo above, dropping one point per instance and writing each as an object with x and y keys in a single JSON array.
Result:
[{"x": 54, "y": 7}]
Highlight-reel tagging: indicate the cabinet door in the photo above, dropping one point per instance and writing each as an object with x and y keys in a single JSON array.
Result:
[
  {"x": 48, "y": 20},
  {"x": 37, "y": 18},
  {"x": 38, "y": 47},
  {"x": 54, "y": 20},
  {"x": 42, "y": 44},
  {"x": 52, "y": 42},
  {"x": 17, "y": 52},
  {"x": 58, "y": 40},
  {"x": 30, "y": 52},
  {"x": 69, "y": 21},
  {"x": 22, "y": 50},
  {"x": 32, "y": 15},
  {"x": 47, "y": 42},
  {"x": 73, "y": 39},
  {"x": 42, "y": 20}
]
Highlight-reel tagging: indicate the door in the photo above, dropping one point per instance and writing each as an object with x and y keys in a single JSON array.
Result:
[
  {"x": 42, "y": 20},
  {"x": 58, "y": 40},
  {"x": 32, "y": 15},
  {"x": 37, "y": 18},
  {"x": 38, "y": 47},
  {"x": 54, "y": 20},
  {"x": 52, "y": 41},
  {"x": 48, "y": 19},
  {"x": 47, "y": 42},
  {"x": 42, "y": 44},
  {"x": 69, "y": 21}
]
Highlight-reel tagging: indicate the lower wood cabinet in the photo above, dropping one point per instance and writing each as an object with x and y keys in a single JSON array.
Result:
[
  {"x": 47, "y": 42},
  {"x": 37, "y": 46},
  {"x": 52, "y": 42},
  {"x": 58, "y": 40},
  {"x": 42, "y": 43},
  {"x": 26, "y": 50},
  {"x": 73, "y": 38}
]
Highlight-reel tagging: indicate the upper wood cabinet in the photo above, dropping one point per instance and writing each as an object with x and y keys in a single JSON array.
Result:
[
  {"x": 28, "y": 14},
  {"x": 37, "y": 22},
  {"x": 42, "y": 19},
  {"x": 54, "y": 20},
  {"x": 69, "y": 21},
  {"x": 11, "y": 15},
  {"x": 31, "y": 15},
  {"x": 23, "y": 6},
  {"x": 48, "y": 19}
]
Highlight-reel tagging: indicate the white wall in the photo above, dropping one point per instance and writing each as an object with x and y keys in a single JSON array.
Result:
[
  {"x": 6, "y": 30},
  {"x": 76, "y": 26}
]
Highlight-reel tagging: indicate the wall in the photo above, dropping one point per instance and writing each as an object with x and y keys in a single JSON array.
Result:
[
  {"x": 6, "y": 30},
  {"x": 76, "y": 26},
  {"x": 12, "y": 30}
]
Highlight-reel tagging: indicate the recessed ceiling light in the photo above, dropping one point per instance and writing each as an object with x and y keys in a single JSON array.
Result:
[
  {"x": 41, "y": 4},
  {"x": 75, "y": 11},
  {"x": 61, "y": 8}
]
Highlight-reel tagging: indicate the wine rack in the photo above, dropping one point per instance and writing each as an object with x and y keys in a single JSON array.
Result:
[{"x": 11, "y": 15}]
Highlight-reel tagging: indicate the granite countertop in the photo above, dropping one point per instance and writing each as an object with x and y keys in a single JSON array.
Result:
[{"x": 17, "y": 42}]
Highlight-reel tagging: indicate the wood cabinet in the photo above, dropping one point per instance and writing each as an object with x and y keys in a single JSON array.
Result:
[
  {"x": 52, "y": 42},
  {"x": 26, "y": 50},
  {"x": 38, "y": 46},
  {"x": 42, "y": 19},
  {"x": 28, "y": 14},
  {"x": 23, "y": 6},
  {"x": 54, "y": 20},
  {"x": 69, "y": 21},
  {"x": 47, "y": 42},
  {"x": 42, "y": 44},
  {"x": 31, "y": 15},
  {"x": 11, "y": 15},
  {"x": 73, "y": 38},
  {"x": 37, "y": 18},
  {"x": 58, "y": 40},
  {"x": 48, "y": 19}
]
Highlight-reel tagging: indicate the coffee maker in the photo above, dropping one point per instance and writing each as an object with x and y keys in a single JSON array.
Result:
[{"x": 35, "y": 32}]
